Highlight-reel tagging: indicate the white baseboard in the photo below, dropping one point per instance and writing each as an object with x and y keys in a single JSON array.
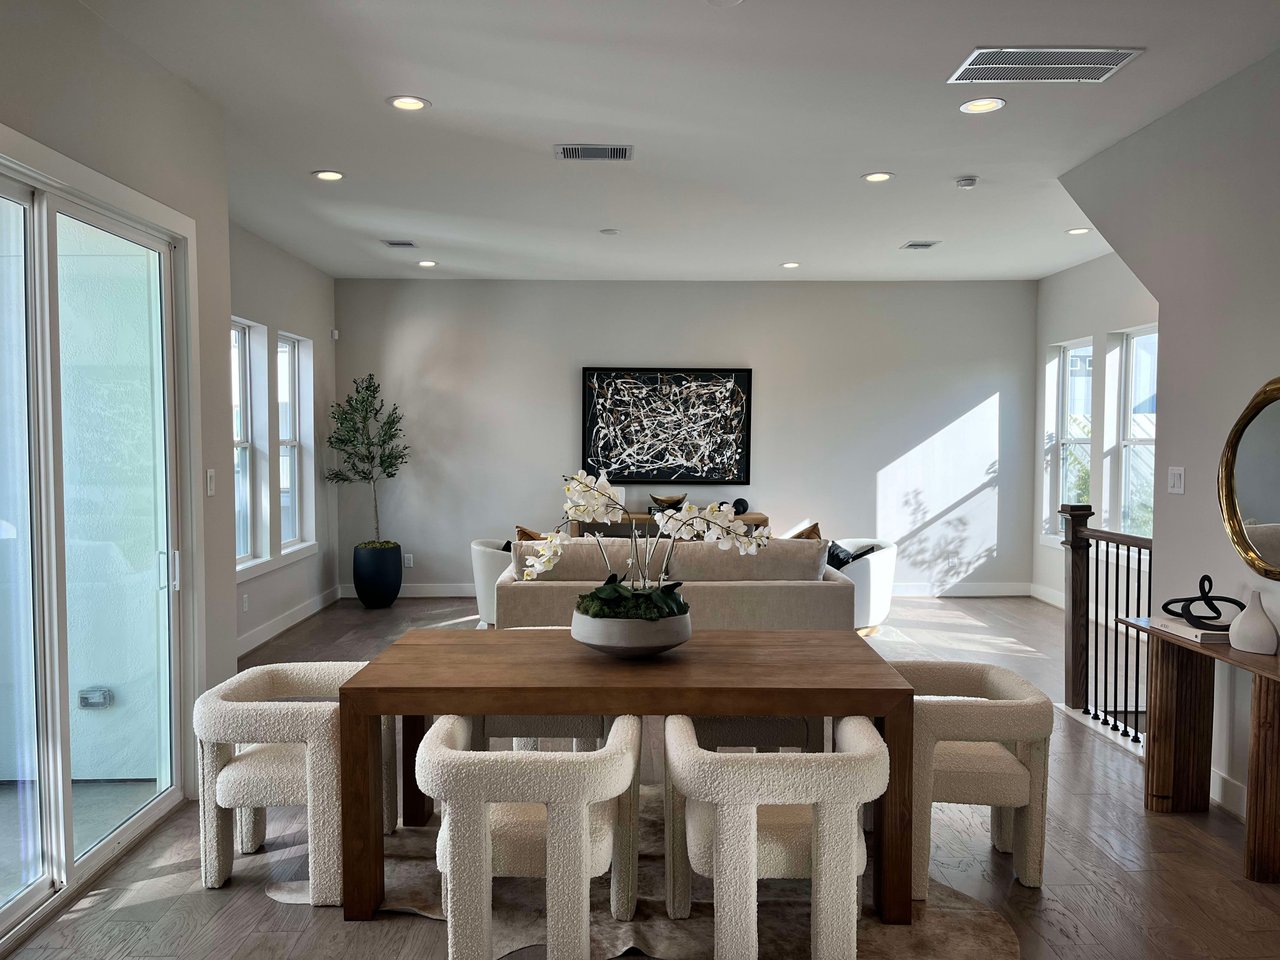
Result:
[
  {"x": 963, "y": 589},
  {"x": 1227, "y": 793},
  {"x": 260, "y": 635},
  {"x": 1053, "y": 597},
  {"x": 423, "y": 590}
]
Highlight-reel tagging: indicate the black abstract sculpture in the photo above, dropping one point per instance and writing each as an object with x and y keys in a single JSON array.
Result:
[{"x": 1181, "y": 607}]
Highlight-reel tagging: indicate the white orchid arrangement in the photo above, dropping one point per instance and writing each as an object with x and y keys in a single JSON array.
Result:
[{"x": 592, "y": 500}]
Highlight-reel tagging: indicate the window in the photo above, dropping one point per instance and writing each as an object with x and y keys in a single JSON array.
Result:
[
  {"x": 1138, "y": 433},
  {"x": 287, "y": 350},
  {"x": 1075, "y": 423},
  {"x": 242, "y": 429}
]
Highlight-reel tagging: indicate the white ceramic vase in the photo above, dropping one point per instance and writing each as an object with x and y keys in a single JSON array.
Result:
[
  {"x": 629, "y": 639},
  {"x": 1252, "y": 631}
]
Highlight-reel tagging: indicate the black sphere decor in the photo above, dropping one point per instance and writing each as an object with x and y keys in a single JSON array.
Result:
[
  {"x": 377, "y": 572},
  {"x": 741, "y": 506}
]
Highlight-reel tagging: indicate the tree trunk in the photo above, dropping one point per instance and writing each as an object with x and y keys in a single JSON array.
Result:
[{"x": 377, "y": 526}]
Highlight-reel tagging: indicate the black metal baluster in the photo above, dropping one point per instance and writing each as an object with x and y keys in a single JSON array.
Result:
[
  {"x": 1097, "y": 596},
  {"x": 1128, "y": 583},
  {"x": 1138, "y": 662},
  {"x": 1106, "y": 634},
  {"x": 1115, "y": 664}
]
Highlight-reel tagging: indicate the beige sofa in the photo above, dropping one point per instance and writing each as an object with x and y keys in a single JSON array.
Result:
[{"x": 786, "y": 586}]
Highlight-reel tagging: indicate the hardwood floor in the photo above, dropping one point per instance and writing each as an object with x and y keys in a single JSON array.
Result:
[{"x": 1119, "y": 883}]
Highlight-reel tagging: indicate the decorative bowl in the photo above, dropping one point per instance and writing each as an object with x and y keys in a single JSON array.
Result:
[
  {"x": 630, "y": 639},
  {"x": 672, "y": 502}
]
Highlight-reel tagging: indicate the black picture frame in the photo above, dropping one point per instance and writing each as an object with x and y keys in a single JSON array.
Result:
[{"x": 737, "y": 435}]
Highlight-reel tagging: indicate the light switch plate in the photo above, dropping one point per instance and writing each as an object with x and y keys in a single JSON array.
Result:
[
  {"x": 408, "y": 559},
  {"x": 1177, "y": 481},
  {"x": 209, "y": 476}
]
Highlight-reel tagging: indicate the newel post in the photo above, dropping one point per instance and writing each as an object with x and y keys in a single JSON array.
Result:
[{"x": 1076, "y": 594}]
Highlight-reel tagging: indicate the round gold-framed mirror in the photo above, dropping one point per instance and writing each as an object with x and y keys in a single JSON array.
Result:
[{"x": 1249, "y": 482}]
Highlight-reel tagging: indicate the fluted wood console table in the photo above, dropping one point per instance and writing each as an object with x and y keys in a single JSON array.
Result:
[{"x": 1180, "y": 731}]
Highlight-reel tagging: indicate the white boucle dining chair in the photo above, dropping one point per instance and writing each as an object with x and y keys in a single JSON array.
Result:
[
  {"x": 529, "y": 814},
  {"x": 981, "y": 737},
  {"x": 780, "y": 815},
  {"x": 268, "y": 737}
]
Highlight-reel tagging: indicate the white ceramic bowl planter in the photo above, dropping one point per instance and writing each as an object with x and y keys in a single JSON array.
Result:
[{"x": 630, "y": 639}]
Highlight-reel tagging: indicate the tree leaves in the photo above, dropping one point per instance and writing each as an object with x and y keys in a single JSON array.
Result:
[{"x": 369, "y": 444}]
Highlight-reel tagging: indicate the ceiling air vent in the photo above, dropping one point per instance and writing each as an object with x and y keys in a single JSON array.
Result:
[
  {"x": 399, "y": 244},
  {"x": 1043, "y": 64},
  {"x": 919, "y": 244},
  {"x": 593, "y": 151}
]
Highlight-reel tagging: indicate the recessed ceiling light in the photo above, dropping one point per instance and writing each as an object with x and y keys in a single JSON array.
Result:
[
  {"x": 983, "y": 105},
  {"x": 408, "y": 103},
  {"x": 426, "y": 263},
  {"x": 789, "y": 265},
  {"x": 880, "y": 176},
  {"x": 611, "y": 231},
  {"x": 1079, "y": 231},
  {"x": 326, "y": 174}
]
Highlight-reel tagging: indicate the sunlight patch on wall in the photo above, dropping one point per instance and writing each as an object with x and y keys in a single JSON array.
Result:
[{"x": 939, "y": 501}]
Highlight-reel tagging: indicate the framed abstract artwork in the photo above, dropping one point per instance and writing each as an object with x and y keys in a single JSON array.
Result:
[{"x": 663, "y": 425}]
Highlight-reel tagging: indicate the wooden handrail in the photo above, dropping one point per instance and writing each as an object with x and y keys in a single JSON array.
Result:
[{"x": 1110, "y": 536}]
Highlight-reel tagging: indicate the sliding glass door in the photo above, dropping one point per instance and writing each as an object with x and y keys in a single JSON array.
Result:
[
  {"x": 88, "y": 568},
  {"x": 116, "y": 513},
  {"x": 22, "y": 849}
]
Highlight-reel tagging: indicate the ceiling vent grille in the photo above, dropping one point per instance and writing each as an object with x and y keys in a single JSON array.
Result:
[
  {"x": 920, "y": 244},
  {"x": 1043, "y": 65},
  {"x": 593, "y": 151},
  {"x": 399, "y": 244}
]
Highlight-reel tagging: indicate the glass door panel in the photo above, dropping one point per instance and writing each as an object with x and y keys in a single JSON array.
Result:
[
  {"x": 111, "y": 344},
  {"x": 22, "y": 855}
]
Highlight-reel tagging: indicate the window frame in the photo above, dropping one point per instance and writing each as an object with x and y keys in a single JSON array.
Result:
[
  {"x": 1063, "y": 435},
  {"x": 293, "y": 442},
  {"x": 241, "y": 330},
  {"x": 1127, "y": 442}
]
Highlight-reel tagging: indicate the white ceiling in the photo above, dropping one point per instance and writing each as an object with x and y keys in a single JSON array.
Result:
[{"x": 751, "y": 126}]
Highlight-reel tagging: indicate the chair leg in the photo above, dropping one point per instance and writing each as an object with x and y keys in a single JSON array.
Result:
[
  {"x": 525, "y": 743},
  {"x": 217, "y": 828},
  {"x": 324, "y": 828},
  {"x": 390, "y": 777},
  {"x": 568, "y": 882},
  {"x": 1028, "y": 821},
  {"x": 676, "y": 850},
  {"x": 734, "y": 865},
  {"x": 834, "y": 896},
  {"x": 469, "y": 868},
  {"x": 624, "y": 874},
  {"x": 251, "y": 829},
  {"x": 1002, "y": 829}
]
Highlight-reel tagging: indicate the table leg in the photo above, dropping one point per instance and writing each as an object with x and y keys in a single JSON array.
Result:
[
  {"x": 1262, "y": 823},
  {"x": 1180, "y": 728},
  {"x": 361, "y": 765},
  {"x": 416, "y": 804},
  {"x": 891, "y": 881}
]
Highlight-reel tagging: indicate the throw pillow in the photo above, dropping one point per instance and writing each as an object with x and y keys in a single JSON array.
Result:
[
  {"x": 811, "y": 532},
  {"x": 524, "y": 534},
  {"x": 838, "y": 557}
]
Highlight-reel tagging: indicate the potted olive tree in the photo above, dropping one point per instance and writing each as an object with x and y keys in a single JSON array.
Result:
[{"x": 370, "y": 446}]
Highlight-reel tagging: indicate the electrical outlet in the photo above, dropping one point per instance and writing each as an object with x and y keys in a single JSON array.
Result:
[
  {"x": 244, "y": 603},
  {"x": 1177, "y": 481},
  {"x": 408, "y": 559}
]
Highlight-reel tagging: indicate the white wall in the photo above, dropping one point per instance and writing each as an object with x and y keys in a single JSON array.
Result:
[
  {"x": 81, "y": 90},
  {"x": 282, "y": 293},
  {"x": 1096, "y": 301},
  {"x": 1192, "y": 204},
  {"x": 863, "y": 394}
]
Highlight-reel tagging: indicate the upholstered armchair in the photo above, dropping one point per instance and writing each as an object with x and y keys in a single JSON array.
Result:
[
  {"x": 872, "y": 578},
  {"x": 268, "y": 737},
  {"x": 528, "y": 814},
  {"x": 488, "y": 561},
  {"x": 751, "y": 816},
  {"x": 981, "y": 737}
]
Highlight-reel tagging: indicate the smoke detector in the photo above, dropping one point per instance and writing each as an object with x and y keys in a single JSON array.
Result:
[
  {"x": 1043, "y": 64},
  {"x": 919, "y": 244},
  {"x": 594, "y": 151}
]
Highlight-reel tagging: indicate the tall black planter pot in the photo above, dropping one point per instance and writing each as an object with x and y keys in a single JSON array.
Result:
[{"x": 377, "y": 572}]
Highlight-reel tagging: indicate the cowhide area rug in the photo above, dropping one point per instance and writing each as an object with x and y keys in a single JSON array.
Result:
[{"x": 950, "y": 926}]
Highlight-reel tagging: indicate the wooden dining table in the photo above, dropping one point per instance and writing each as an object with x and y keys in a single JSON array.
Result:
[{"x": 544, "y": 671}]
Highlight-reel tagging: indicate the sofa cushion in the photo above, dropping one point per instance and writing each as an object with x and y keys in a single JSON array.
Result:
[
  {"x": 581, "y": 560},
  {"x": 696, "y": 561}
]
